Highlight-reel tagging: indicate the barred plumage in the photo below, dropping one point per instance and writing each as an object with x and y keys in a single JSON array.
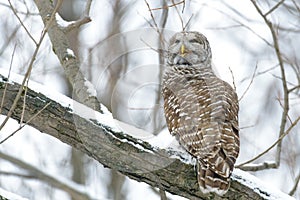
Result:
[{"x": 201, "y": 110}]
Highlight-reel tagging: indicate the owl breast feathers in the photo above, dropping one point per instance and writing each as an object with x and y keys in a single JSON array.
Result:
[{"x": 201, "y": 110}]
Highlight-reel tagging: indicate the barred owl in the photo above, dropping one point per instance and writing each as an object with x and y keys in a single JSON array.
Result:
[{"x": 201, "y": 110}]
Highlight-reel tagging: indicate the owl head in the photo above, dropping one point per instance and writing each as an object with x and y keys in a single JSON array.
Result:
[{"x": 189, "y": 48}]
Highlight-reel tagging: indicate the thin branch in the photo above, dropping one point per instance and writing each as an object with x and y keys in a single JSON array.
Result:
[
  {"x": 294, "y": 88},
  {"x": 77, "y": 24},
  {"x": 20, "y": 12},
  {"x": 87, "y": 8},
  {"x": 243, "y": 25},
  {"x": 188, "y": 22},
  {"x": 65, "y": 185},
  {"x": 179, "y": 15},
  {"x": 251, "y": 81},
  {"x": 155, "y": 26},
  {"x": 232, "y": 76},
  {"x": 273, "y": 145},
  {"x": 9, "y": 39},
  {"x": 17, "y": 175},
  {"x": 288, "y": 116},
  {"x": 30, "y": 65},
  {"x": 83, "y": 20},
  {"x": 274, "y": 8},
  {"x": 9, "y": 71},
  {"x": 152, "y": 17},
  {"x": 249, "y": 126},
  {"x": 293, "y": 190},
  {"x": 168, "y": 6},
  {"x": 162, "y": 194},
  {"x": 161, "y": 57},
  {"x": 284, "y": 82},
  {"x": 258, "y": 167},
  {"x": 22, "y": 24},
  {"x": 23, "y": 125},
  {"x": 24, "y": 100}
]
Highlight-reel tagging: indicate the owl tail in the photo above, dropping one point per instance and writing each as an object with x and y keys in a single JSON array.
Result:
[{"x": 209, "y": 181}]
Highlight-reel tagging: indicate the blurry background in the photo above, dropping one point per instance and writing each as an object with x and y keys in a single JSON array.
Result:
[{"x": 119, "y": 54}]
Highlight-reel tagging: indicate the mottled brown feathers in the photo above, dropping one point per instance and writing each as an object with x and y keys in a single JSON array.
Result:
[{"x": 201, "y": 110}]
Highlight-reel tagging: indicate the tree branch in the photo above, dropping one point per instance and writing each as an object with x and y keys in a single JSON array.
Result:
[
  {"x": 98, "y": 136},
  {"x": 62, "y": 184},
  {"x": 70, "y": 63}
]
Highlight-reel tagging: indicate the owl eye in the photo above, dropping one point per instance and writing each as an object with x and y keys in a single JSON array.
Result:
[
  {"x": 176, "y": 41},
  {"x": 196, "y": 41},
  {"x": 193, "y": 41}
]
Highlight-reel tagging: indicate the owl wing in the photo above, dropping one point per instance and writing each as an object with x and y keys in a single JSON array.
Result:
[
  {"x": 187, "y": 113},
  {"x": 215, "y": 169},
  {"x": 172, "y": 109}
]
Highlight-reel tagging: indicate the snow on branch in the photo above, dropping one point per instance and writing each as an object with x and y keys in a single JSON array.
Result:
[
  {"x": 100, "y": 136},
  {"x": 61, "y": 47},
  {"x": 5, "y": 195}
]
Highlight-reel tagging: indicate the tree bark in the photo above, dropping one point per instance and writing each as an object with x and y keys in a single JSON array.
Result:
[{"x": 115, "y": 149}]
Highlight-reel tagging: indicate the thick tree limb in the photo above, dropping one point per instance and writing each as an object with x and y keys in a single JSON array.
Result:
[{"x": 96, "y": 135}]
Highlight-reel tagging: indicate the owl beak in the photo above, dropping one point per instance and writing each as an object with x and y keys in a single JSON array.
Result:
[{"x": 182, "y": 50}]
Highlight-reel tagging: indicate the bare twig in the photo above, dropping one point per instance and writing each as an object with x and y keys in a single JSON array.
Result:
[
  {"x": 10, "y": 38},
  {"x": 232, "y": 76},
  {"x": 152, "y": 17},
  {"x": 258, "y": 167},
  {"x": 281, "y": 105},
  {"x": 293, "y": 190},
  {"x": 243, "y": 25},
  {"x": 188, "y": 23},
  {"x": 5, "y": 88},
  {"x": 17, "y": 175},
  {"x": 23, "y": 125},
  {"x": 30, "y": 65},
  {"x": 155, "y": 26},
  {"x": 63, "y": 184},
  {"x": 179, "y": 15},
  {"x": 249, "y": 126},
  {"x": 284, "y": 82},
  {"x": 22, "y": 24},
  {"x": 273, "y": 145},
  {"x": 24, "y": 100},
  {"x": 274, "y": 8},
  {"x": 251, "y": 81},
  {"x": 87, "y": 8},
  {"x": 163, "y": 195},
  {"x": 169, "y": 6},
  {"x": 294, "y": 88},
  {"x": 20, "y": 12},
  {"x": 83, "y": 20},
  {"x": 161, "y": 57},
  {"x": 77, "y": 24}
]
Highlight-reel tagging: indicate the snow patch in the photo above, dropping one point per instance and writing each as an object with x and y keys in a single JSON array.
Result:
[
  {"x": 164, "y": 140},
  {"x": 61, "y": 22},
  {"x": 258, "y": 186},
  {"x": 70, "y": 52},
  {"x": 11, "y": 196},
  {"x": 90, "y": 88}
]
